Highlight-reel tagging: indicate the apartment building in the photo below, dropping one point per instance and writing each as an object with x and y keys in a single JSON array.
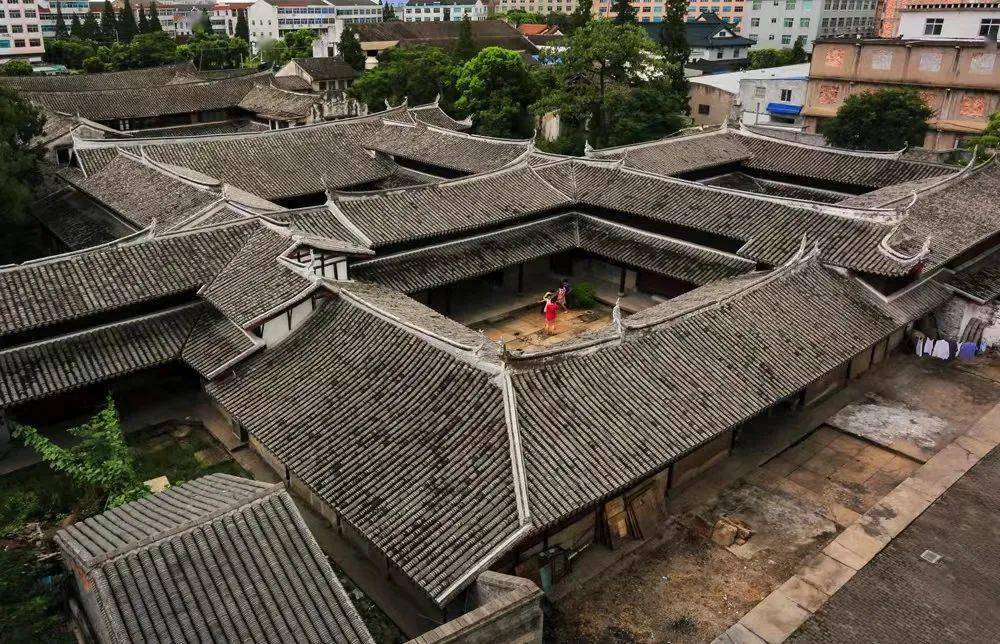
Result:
[
  {"x": 272, "y": 19},
  {"x": 20, "y": 31},
  {"x": 441, "y": 10},
  {"x": 949, "y": 20},
  {"x": 958, "y": 79},
  {"x": 536, "y": 6},
  {"x": 777, "y": 24},
  {"x": 225, "y": 15}
]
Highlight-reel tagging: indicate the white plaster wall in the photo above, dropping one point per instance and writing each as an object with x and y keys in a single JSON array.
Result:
[{"x": 957, "y": 24}]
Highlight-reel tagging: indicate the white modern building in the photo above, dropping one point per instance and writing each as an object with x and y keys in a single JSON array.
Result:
[
  {"x": 950, "y": 21},
  {"x": 772, "y": 96},
  {"x": 20, "y": 31},
  {"x": 777, "y": 24},
  {"x": 272, "y": 19},
  {"x": 441, "y": 10}
]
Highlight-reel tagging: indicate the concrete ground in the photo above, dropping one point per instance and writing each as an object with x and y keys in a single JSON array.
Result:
[
  {"x": 797, "y": 481},
  {"x": 524, "y": 330}
]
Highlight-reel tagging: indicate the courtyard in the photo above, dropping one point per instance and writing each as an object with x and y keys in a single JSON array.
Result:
[
  {"x": 796, "y": 481},
  {"x": 524, "y": 329}
]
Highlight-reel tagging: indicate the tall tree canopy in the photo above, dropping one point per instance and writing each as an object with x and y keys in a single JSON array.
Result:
[
  {"x": 388, "y": 12},
  {"x": 75, "y": 26},
  {"x": 61, "y": 30},
  {"x": 154, "y": 18},
  {"x": 127, "y": 28},
  {"x": 418, "y": 73},
  {"x": 625, "y": 13},
  {"x": 673, "y": 40},
  {"x": 350, "y": 49},
  {"x": 496, "y": 88},
  {"x": 888, "y": 119},
  {"x": 90, "y": 29},
  {"x": 580, "y": 16},
  {"x": 109, "y": 24},
  {"x": 465, "y": 48},
  {"x": 242, "y": 26},
  {"x": 143, "y": 21},
  {"x": 604, "y": 68},
  {"x": 204, "y": 24},
  {"x": 213, "y": 51},
  {"x": 20, "y": 122}
]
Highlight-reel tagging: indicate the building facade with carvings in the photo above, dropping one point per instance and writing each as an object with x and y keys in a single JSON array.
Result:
[{"x": 959, "y": 80}]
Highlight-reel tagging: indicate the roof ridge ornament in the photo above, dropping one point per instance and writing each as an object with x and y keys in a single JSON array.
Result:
[
  {"x": 588, "y": 149},
  {"x": 616, "y": 319}
]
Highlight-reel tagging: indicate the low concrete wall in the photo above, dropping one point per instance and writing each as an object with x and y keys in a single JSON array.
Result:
[{"x": 509, "y": 610}]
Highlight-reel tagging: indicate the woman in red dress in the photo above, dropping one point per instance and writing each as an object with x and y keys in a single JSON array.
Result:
[{"x": 550, "y": 313}]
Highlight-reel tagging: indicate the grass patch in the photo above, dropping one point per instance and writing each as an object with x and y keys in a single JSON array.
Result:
[{"x": 31, "y": 594}]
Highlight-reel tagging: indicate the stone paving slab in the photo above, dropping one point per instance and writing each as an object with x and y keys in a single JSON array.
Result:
[{"x": 776, "y": 617}]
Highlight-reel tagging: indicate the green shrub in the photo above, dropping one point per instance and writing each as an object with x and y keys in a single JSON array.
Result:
[
  {"x": 16, "y": 509},
  {"x": 581, "y": 296},
  {"x": 29, "y": 598}
]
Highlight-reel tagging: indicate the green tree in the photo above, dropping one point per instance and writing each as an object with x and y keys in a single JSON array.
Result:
[
  {"x": 61, "y": 30},
  {"x": 147, "y": 50},
  {"x": 274, "y": 52},
  {"x": 204, "y": 24},
  {"x": 416, "y": 73},
  {"x": 496, "y": 88},
  {"x": 100, "y": 463},
  {"x": 603, "y": 64},
  {"x": 143, "y": 21},
  {"x": 127, "y": 29},
  {"x": 69, "y": 51},
  {"x": 465, "y": 48},
  {"x": 20, "y": 122},
  {"x": 300, "y": 43},
  {"x": 388, "y": 12},
  {"x": 762, "y": 58},
  {"x": 75, "y": 27},
  {"x": 350, "y": 49},
  {"x": 93, "y": 65},
  {"x": 673, "y": 40},
  {"x": 519, "y": 17},
  {"x": 888, "y": 119},
  {"x": 648, "y": 112},
  {"x": 990, "y": 138},
  {"x": 213, "y": 51},
  {"x": 109, "y": 24},
  {"x": 242, "y": 26},
  {"x": 580, "y": 16},
  {"x": 154, "y": 18},
  {"x": 16, "y": 67},
  {"x": 625, "y": 13},
  {"x": 798, "y": 52},
  {"x": 90, "y": 30}
]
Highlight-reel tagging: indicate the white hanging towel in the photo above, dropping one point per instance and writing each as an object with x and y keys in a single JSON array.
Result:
[
  {"x": 942, "y": 350},
  {"x": 928, "y": 347}
]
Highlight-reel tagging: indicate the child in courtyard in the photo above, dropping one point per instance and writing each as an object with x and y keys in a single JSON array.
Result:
[{"x": 550, "y": 310}]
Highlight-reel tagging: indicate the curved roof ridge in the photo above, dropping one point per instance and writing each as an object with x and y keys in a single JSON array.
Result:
[
  {"x": 86, "y": 144},
  {"x": 343, "y": 195},
  {"x": 468, "y": 353},
  {"x": 703, "y": 131},
  {"x": 868, "y": 154},
  {"x": 949, "y": 179},
  {"x": 480, "y": 137},
  {"x": 886, "y": 216}
]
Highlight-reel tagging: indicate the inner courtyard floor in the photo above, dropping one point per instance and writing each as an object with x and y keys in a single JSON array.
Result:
[{"x": 524, "y": 329}]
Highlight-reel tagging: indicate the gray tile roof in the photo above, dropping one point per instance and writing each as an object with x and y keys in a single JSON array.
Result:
[
  {"x": 693, "y": 152},
  {"x": 765, "y": 229},
  {"x": 216, "y": 343},
  {"x": 420, "y": 464},
  {"x": 979, "y": 279},
  {"x": 322, "y": 69},
  {"x": 974, "y": 195},
  {"x": 275, "y": 164},
  {"x": 141, "y": 193},
  {"x": 254, "y": 282},
  {"x": 485, "y": 33},
  {"x": 200, "y": 129},
  {"x": 446, "y": 148},
  {"x": 129, "y": 79},
  {"x": 269, "y": 101},
  {"x": 628, "y": 409},
  {"x": 219, "y": 558},
  {"x": 150, "y": 101},
  {"x": 450, "y": 207},
  {"x": 76, "y": 360},
  {"x": 412, "y": 271},
  {"x": 63, "y": 288},
  {"x": 432, "y": 114}
]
